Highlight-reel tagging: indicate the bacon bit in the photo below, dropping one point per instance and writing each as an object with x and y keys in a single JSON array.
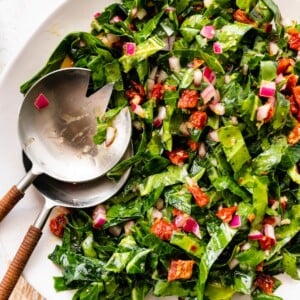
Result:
[
  {"x": 163, "y": 229},
  {"x": 41, "y": 101},
  {"x": 269, "y": 220},
  {"x": 157, "y": 91},
  {"x": 57, "y": 224},
  {"x": 180, "y": 269},
  {"x": 265, "y": 283},
  {"x": 68, "y": 62},
  {"x": 294, "y": 39},
  {"x": 296, "y": 93},
  {"x": 251, "y": 217},
  {"x": 294, "y": 135},
  {"x": 226, "y": 213},
  {"x": 177, "y": 157},
  {"x": 200, "y": 197},
  {"x": 198, "y": 119},
  {"x": 260, "y": 267},
  {"x": 136, "y": 92},
  {"x": 194, "y": 146},
  {"x": 197, "y": 63},
  {"x": 188, "y": 99},
  {"x": 283, "y": 65},
  {"x": 291, "y": 83},
  {"x": 241, "y": 16}
]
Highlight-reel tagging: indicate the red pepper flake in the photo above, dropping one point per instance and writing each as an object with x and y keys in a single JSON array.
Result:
[{"x": 41, "y": 101}]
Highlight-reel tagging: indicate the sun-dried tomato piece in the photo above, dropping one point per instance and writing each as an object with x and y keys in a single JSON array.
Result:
[
  {"x": 180, "y": 269},
  {"x": 198, "y": 119},
  {"x": 188, "y": 99}
]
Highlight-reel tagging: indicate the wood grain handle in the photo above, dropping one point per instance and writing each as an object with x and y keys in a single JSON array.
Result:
[
  {"x": 9, "y": 200},
  {"x": 19, "y": 262}
]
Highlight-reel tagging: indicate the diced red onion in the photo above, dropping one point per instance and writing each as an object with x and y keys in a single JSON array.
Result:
[
  {"x": 41, "y": 101},
  {"x": 192, "y": 226},
  {"x": 138, "y": 110},
  {"x": 150, "y": 85},
  {"x": 263, "y": 112},
  {"x": 99, "y": 216},
  {"x": 233, "y": 263},
  {"x": 197, "y": 77},
  {"x": 208, "y": 94},
  {"x": 269, "y": 231},
  {"x": 174, "y": 63},
  {"x": 279, "y": 78},
  {"x": 116, "y": 19},
  {"x": 162, "y": 113},
  {"x": 246, "y": 246},
  {"x": 217, "y": 48},
  {"x": 141, "y": 13},
  {"x": 209, "y": 75},
  {"x": 273, "y": 48},
  {"x": 110, "y": 135},
  {"x": 170, "y": 9},
  {"x": 255, "y": 235},
  {"x": 183, "y": 128},
  {"x": 97, "y": 15},
  {"x": 171, "y": 40},
  {"x": 236, "y": 221},
  {"x": 267, "y": 89},
  {"x": 115, "y": 230},
  {"x": 213, "y": 135},
  {"x": 218, "y": 108},
  {"x": 202, "y": 150},
  {"x": 156, "y": 214},
  {"x": 128, "y": 227},
  {"x": 162, "y": 75},
  {"x": 137, "y": 125},
  {"x": 208, "y": 31},
  {"x": 130, "y": 48},
  {"x": 180, "y": 220}
]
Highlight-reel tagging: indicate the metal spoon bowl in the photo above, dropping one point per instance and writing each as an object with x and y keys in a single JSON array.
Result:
[
  {"x": 58, "y": 138},
  {"x": 57, "y": 193}
]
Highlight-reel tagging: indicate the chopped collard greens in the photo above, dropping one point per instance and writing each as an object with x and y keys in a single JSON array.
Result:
[{"x": 212, "y": 205}]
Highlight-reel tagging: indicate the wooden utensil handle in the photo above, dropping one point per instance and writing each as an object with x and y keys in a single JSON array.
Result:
[
  {"x": 9, "y": 200},
  {"x": 19, "y": 262}
]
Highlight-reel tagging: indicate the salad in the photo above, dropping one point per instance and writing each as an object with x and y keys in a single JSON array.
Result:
[{"x": 211, "y": 208}]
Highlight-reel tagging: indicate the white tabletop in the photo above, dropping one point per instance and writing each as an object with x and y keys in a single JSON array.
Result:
[{"x": 18, "y": 20}]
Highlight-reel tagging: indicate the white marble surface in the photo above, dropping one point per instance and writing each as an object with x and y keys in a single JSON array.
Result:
[{"x": 18, "y": 21}]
